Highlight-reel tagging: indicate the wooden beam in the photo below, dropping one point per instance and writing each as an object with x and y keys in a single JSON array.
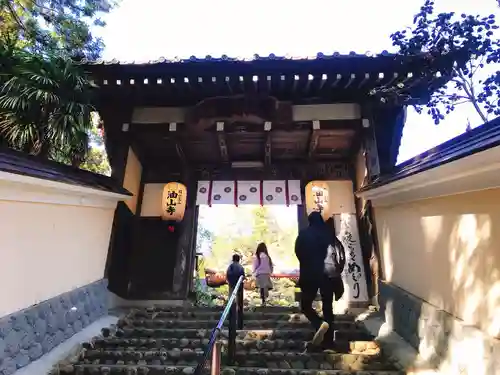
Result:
[
  {"x": 172, "y": 128},
  {"x": 221, "y": 139},
  {"x": 294, "y": 169},
  {"x": 268, "y": 146},
  {"x": 296, "y": 79},
  {"x": 269, "y": 83},
  {"x": 332, "y": 125},
  {"x": 228, "y": 84},
  {"x": 310, "y": 79},
  {"x": 162, "y": 129},
  {"x": 314, "y": 139}
]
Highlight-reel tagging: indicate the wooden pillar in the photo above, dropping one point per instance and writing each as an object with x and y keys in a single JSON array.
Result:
[
  {"x": 187, "y": 243},
  {"x": 366, "y": 223},
  {"x": 302, "y": 217},
  {"x": 117, "y": 142},
  {"x": 301, "y": 209}
]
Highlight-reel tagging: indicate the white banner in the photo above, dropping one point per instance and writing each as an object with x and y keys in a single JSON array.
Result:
[
  {"x": 202, "y": 192},
  {"x": 346, "y": 228},
  {"x": 294, "y": 192},
  {"x": 248, "y": 192},
  {"x": 274, "y": 192},
  {"x": 223, "y": 192}
]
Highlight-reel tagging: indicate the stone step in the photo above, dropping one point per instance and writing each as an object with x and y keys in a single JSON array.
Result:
[
  {"x": 354, "y": 333},
  {"x": 209, "y": 324},
  {"x": 288, "y": 309},
  {"x": 367, "y": 347},
  {"x": 87, "y": 369},
  {"x": 282, "y": 360},
  {"x": 211, "y": 315}
]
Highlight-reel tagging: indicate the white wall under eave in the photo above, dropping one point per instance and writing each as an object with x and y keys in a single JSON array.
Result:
[
  {"x": 151, "y": 200},
  {"x": 322, "y": 112},
  {"x": 52, "y": 242}
]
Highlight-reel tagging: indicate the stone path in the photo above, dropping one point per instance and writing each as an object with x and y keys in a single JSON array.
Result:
[{"x": 171, "y": 340}]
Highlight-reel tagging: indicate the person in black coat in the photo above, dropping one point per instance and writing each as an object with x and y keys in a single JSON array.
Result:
[
  {"x": 233, "y": 273},
  {"x": 311, "y": 248}
]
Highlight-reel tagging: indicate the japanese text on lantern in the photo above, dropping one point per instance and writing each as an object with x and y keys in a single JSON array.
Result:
[
  {"x": 317, "y": 198},
  {"x": 174, "y": 201},
  {"x": 320, "y": 196},
  {"x": 174, "y": 198}
]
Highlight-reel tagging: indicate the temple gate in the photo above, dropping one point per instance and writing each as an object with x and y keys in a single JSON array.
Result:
[{"x": 234, "y": 131}]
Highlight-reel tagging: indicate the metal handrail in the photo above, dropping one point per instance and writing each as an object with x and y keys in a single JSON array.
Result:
[{"x": 212, "y": 343}]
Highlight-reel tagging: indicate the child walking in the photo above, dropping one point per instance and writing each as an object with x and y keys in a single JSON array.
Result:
[{"x": 262, "y": 269}]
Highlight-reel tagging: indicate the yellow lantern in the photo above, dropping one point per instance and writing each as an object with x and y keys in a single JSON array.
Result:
[
  {"x": 173, "y": 201},
  {"x": 317, "y": 198}
]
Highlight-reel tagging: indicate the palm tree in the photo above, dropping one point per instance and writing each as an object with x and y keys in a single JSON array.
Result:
[{"x": 45, "y": 106}]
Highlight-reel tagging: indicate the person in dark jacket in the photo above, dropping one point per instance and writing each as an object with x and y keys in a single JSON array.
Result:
[
  {"x": 311, "y": 248},
  {"x": 233, "y": 273}
]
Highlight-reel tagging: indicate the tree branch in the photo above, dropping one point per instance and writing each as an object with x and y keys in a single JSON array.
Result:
[
  {"x": 469, "y": 90},
  {"x": 14, "y": 15}
]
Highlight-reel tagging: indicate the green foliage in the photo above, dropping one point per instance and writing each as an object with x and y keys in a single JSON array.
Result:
[
  {"x": 97, "y": 162},
  {"x": 54, "y": 27},
  {"x": 203, "y": 297},
  {"x": 45, "y": 106},
  {"x": 45, "y": 99},
  {"x": 242, "y": 238}
]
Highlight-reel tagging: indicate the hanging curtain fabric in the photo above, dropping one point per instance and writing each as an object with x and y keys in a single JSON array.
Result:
[
  {"x": 203, "y": 192},
  {"x": 294, "y": 193},
  {"x": 248, "y": 192},
  {"x": 274, "y": 192},
  {"x": 223, "y": 192}
]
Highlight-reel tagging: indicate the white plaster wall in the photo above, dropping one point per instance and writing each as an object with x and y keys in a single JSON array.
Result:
[
  {"x": 341, "y": 198},
  {"x": 151, "y": 200},
  {"x": 48, "y": 249},
  {"x": 342, "y": 111},
  {"x": 337, "y": 111}
]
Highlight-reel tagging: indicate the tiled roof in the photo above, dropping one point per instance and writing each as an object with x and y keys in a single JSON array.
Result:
[
  {"x": 255, "y": 57},
  {"x": 28, "y": 165}
]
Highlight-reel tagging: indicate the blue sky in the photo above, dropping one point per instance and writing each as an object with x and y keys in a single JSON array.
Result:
[{"x": 147, "y": 29}]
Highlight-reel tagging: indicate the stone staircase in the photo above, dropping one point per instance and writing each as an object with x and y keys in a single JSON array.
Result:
[{"x": 163, "y": 341}]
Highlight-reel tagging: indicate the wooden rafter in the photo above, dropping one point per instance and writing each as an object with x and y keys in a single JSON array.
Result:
[
  {"x": 314, "y": 139},
  {"x": 172, "y": 128},
  {"x": 221, "y": 139},
  {"x": 268, "y": 145}
]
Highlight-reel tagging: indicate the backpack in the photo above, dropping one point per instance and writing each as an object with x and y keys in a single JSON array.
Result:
[{"x": 334, "y": 262}]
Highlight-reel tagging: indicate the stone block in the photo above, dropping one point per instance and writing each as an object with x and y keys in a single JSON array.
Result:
[
  {"x": 28, "y": 334},
  {"x": 444, "y": 341}
]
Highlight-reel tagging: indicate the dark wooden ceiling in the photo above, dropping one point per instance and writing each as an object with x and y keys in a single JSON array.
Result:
[{"x": 157, "y": 144}]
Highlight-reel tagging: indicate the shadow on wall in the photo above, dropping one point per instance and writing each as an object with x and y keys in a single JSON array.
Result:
[{"x": 445, "y": 251}]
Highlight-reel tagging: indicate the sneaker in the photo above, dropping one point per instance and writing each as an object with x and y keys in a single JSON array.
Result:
[{"x": 320, "y": 334}]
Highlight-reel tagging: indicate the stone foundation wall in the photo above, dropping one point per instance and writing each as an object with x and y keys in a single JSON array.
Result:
[
  {"x": 442, "y": 340},
  {"x": 28, "y": 334}
]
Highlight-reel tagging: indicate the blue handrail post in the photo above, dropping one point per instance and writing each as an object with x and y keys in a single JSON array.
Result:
[
  {"x": 213, "y": 347},
  {"x": 231, "y": 345}
]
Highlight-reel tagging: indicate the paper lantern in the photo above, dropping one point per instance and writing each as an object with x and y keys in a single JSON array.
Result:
[
  {"x": 174, "y": 201},
  {"x": 317, "y": 198}
]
